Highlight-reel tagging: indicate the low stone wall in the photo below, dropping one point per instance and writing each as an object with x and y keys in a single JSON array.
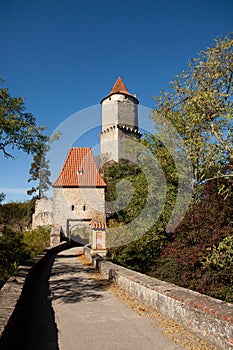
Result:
[
  {"x": 211, "y": 319},
  {"x": 11, "y": 292}
]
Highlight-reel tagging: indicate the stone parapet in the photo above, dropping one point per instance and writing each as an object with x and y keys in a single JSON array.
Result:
[
  {"x": 211, "y": 319},
  {"x": 12, "y": 291}
]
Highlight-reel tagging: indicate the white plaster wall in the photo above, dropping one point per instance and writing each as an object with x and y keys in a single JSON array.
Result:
[
  {"x": 56, "y": 211},
  {"x": 109, "y": 144},
  {"x": 64, "y": 198},
  {"x": 113, "y": 145}
]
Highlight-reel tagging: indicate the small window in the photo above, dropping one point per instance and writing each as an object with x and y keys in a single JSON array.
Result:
[
  {"x": 110, "y": 98},
  {"x": 84, "y": 207},
  {"x": 72, "y": 207}
]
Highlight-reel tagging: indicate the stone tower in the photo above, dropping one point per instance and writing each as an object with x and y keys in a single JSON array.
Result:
[{"x": 119, "y": 121}]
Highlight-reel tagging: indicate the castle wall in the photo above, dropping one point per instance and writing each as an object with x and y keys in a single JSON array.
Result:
[
  {"x": 70, "y": 204},
  {"x": 43, "y": 215},
  {"x": 78, "y": 204}
]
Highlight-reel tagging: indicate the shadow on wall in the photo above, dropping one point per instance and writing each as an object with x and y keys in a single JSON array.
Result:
[{"x": 34, "y": 325}]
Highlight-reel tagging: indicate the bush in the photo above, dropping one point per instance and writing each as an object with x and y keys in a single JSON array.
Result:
[
  {"x": 36, "y": 240},
  {"x": 199, "y": 253},
  {"x": 139, "y": 254},
  {"x": 16, "y": 248},
  {"x": 12, "y": 253}
]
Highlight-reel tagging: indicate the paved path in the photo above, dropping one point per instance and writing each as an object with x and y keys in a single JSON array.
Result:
[{"x": 89, "y": 317}]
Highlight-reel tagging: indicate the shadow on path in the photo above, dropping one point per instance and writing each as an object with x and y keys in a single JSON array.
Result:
[{"x": 70, "y": 281}]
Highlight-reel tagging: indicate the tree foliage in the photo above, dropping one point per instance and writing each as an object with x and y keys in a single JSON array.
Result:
[
  {"x": 40, "y": 172},
  {"x": 12, "y": 253},
  {"x": 124, "y": 205},
  {"x": 206, "y": 225},
  {"x": 16, "y": 216},
  {"x": 18, "y": 129},
  {"x": 2, "y": 197},
  {"x": 17, "y": 247},
  {"x": 200, "y": 106}
]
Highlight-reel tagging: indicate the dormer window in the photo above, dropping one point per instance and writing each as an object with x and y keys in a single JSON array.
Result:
[{"x": 80, "y": 172}]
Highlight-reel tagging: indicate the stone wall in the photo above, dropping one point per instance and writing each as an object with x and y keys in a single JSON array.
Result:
[
  {"x": 12, "y": 292},
  {"x": 70, "y": 204},
  {"x": 211, "y": 319},
  {"x": 43, "y": 215},
  {"x": 78, "y": 203}
]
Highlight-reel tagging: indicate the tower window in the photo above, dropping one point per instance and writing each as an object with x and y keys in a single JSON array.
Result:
[
  {"x": 84, "y": 207},
  {"x": 72, "y": 207}
]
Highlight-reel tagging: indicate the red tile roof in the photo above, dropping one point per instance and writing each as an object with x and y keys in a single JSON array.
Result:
[
  {"x": 79, "y": 170},
  {"x": 96, "y": 225},
  {"x": 119, "y": 87}
]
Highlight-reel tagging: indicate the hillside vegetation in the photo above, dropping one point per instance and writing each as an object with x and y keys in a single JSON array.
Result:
[{"x": 17, "y": 242}]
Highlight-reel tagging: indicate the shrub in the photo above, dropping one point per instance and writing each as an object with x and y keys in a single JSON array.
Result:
[
  {"x": 16, "y": 248},
  {"x": 199, "y": 253},
  {"x": 36, "y": 240},
  {"x": 12, "y": 253}
]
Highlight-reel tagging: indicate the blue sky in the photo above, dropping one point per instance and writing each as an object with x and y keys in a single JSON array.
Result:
[{"x": 64, "y": 56}]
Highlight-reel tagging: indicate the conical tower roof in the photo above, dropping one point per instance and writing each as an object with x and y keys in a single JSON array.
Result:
[{"x": 120, "y": 88}]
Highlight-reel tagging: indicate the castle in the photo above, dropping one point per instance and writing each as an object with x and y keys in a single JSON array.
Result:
[{"x": 78, "y": 202}]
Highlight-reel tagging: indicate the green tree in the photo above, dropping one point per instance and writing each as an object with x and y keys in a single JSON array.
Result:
[
  {"x": 15, "y": 216},
  {"x": 2, "y": 196},
  {"x": 122, "y": 205},
  {"x": 18, "y": 129},
  {"x": 140, "y": 253},
  {"x": 36, "y": 240},
  {"x": 12, "y": 253},
  {"x": 16, "y": 248},
  {"x": 40, "y": 172},
  {"x": 200, "y": 106}
]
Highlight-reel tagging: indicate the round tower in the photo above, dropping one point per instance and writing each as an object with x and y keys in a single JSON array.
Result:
[{"x": 119, "y": 121}]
